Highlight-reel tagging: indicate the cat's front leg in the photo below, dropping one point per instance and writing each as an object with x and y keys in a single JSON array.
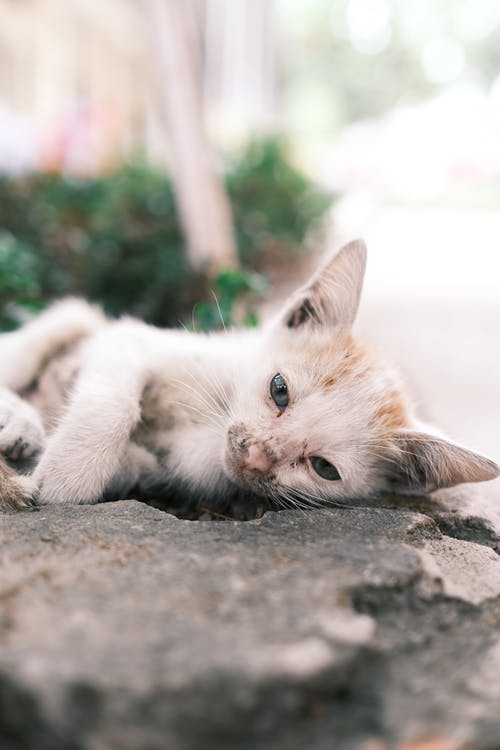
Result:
[{"x": 87, "y": 450}]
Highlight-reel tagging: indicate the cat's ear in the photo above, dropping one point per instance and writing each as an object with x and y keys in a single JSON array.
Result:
[
  {"x": 423, "y": 463},
  {"x": 331, "y": 296}
]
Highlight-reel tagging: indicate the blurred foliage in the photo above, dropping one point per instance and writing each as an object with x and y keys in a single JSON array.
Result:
[
  {"x": 231, "y": 289},
  {"x": 117, "y": 240},
  {"x": 274, "y": 205},
  {"x": 19, "y": 273}
]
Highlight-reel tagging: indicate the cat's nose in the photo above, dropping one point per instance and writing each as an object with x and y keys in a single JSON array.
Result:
[{"x": 256, "y": 459}]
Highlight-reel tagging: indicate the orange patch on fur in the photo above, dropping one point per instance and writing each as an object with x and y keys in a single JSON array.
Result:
[
  {"x": 392, "y": 413},
  {"x": 355, "y": 362},
  {"x": 348, "y": 361},
  {"x": 328, "y": 382}
]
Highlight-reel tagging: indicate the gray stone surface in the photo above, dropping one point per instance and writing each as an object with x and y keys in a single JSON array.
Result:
[{"x": 350, "y": 628}]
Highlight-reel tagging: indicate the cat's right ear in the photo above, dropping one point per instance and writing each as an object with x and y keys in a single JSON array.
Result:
[{"x": 331, "y": 296}]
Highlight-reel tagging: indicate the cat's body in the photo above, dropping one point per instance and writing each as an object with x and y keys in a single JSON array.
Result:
[{"x": 295, "y": 412}]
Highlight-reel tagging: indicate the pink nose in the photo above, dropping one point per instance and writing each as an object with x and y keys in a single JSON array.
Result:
[{"x": 256, "y": 459}]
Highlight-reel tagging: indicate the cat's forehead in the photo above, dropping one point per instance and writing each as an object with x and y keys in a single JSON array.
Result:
[
  {"x": 337, "y": 377},
  {"x": 326, "y": 361}
]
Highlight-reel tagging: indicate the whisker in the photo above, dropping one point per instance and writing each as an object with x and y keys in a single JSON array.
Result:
[
  {"x": 219, "y": 310},
  {"x": 199, "y": 392},
  {"x": 193, "y": 323},
  {"x": 215, "y": 427}
]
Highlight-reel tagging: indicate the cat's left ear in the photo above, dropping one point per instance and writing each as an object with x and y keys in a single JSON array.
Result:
[
  {"x": 422, "y": 463},
  {"x": 331, "y": 296}
]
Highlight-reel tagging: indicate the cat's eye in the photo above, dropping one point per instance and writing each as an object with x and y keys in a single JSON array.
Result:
[
  {"x": 279, "y": 391},
  {"x": 324, "y": 468}
]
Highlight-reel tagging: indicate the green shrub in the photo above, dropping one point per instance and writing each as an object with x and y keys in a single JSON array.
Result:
[
  {"x": 229, "y": 292},
  {"x": 117, "y": 239},
  {"x": 19, "y": 274},
  {"x": 274, "y": 205}
]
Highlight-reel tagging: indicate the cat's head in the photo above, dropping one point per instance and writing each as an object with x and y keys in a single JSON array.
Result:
[{"x": 319, "y": 416}]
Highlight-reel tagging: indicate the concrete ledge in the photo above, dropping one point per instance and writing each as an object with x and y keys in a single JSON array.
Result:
[{"x": 124, "y": 627}]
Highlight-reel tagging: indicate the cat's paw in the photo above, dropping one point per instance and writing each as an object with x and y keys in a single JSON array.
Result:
[
  {"x": 21, "y": 431},
  {"x": 16, "y": 492}
]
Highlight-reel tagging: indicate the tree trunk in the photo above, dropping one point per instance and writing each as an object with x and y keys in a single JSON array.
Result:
[{"x": 203, "y": 204}]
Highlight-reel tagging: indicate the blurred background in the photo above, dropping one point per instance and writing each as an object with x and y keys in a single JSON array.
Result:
[{"x": 152, "y": 151}]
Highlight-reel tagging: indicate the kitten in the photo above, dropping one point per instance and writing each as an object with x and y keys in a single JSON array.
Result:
[{"x": 296, "y": 412}]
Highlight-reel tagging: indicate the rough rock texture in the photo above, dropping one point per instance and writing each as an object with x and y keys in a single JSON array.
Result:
[{"x": 351, "y": 628}]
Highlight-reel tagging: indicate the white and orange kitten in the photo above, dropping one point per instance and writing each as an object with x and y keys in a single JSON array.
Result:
[{"x": 295, "y": 412}]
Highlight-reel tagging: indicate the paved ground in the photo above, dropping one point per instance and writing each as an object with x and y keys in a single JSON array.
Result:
[{"x": 349, "y": 629}]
